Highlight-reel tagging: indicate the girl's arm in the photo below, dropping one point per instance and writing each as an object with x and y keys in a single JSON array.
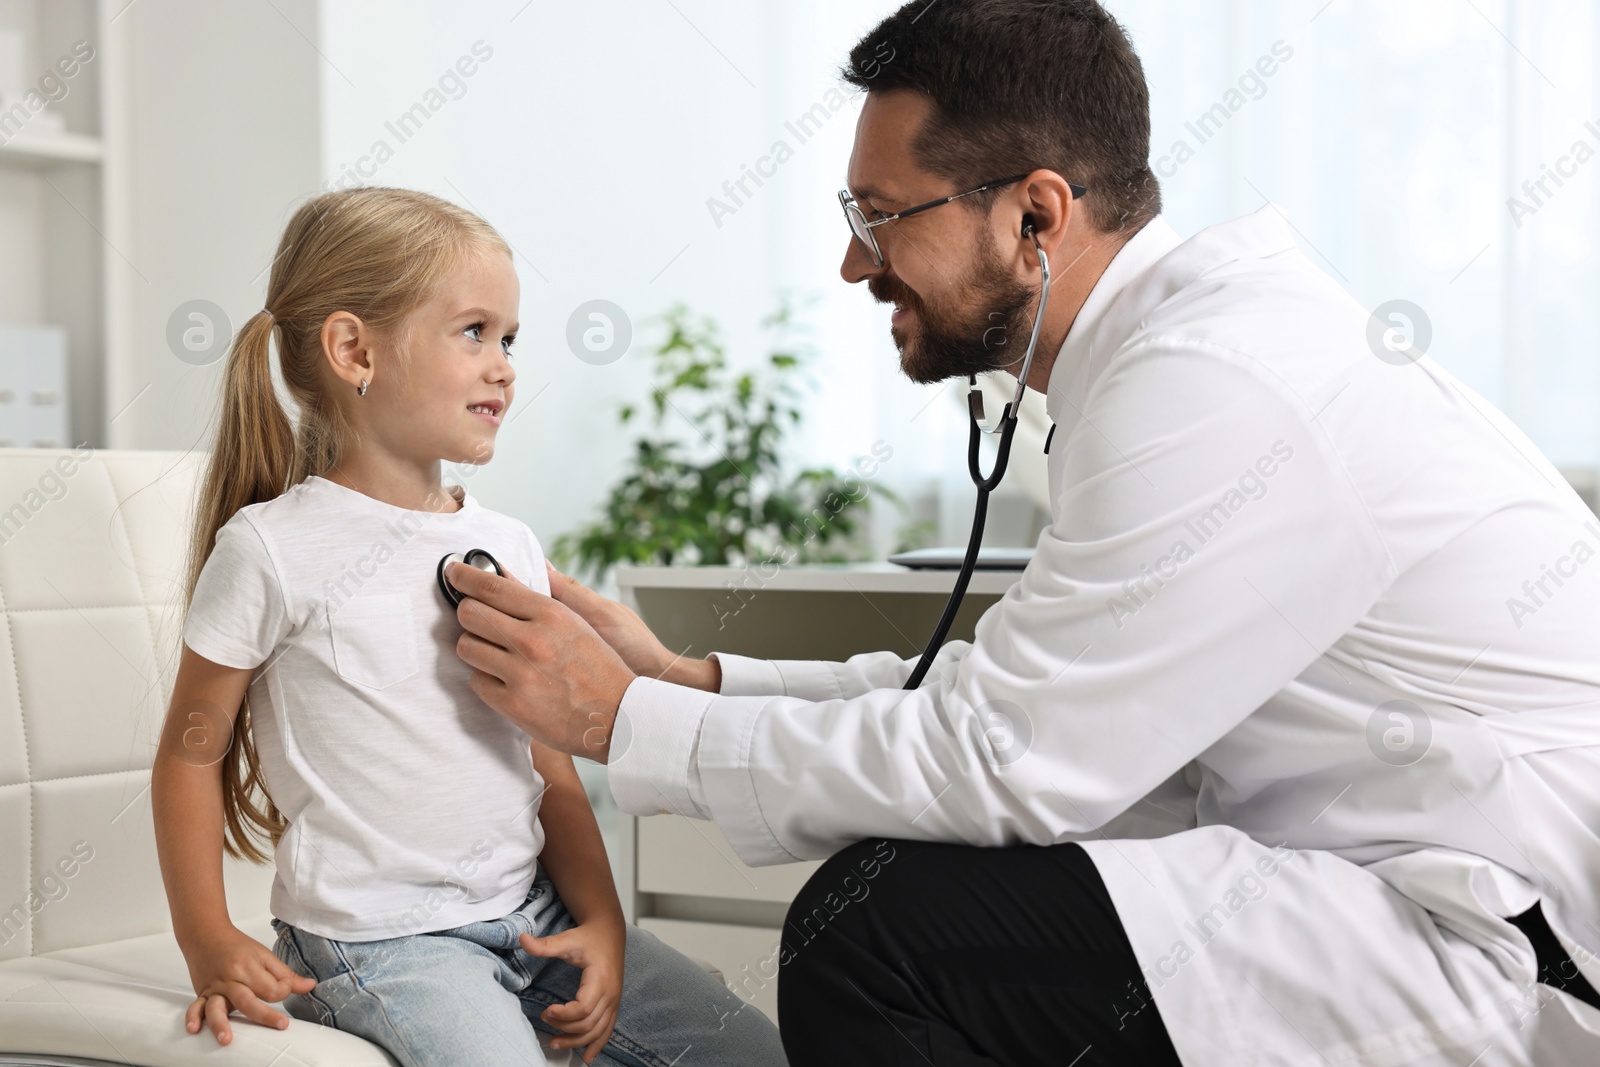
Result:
[
  {"x": 574, "y": 853},
  {"x": 229, "y": 969},
  {"x": 574, "y": 857}
]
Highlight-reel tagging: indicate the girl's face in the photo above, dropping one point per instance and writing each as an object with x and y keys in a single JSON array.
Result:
[{"x": 455, "y": 388}]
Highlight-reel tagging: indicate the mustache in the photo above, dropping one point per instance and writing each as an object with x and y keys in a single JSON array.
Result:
[{"x": 887, "y": 290}]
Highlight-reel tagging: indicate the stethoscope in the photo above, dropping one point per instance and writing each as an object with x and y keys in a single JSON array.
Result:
[
  {"x": 473, "y": 557},
  {"x": 986, "y": 485}
]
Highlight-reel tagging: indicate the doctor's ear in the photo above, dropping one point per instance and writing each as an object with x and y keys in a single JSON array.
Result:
[
  {"x": 346, "y": 344},
  {"x": 1048, "y": 208}
]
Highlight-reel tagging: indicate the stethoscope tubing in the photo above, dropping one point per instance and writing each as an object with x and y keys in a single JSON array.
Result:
[{"x": 985, "y": 484}]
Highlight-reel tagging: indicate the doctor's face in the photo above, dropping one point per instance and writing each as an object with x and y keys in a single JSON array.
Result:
[{"x": 957, "y": 306}]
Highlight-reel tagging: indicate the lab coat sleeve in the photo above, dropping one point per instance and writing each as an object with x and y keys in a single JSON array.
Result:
[
  {"x": 1207, "y": 546},
  {"x": 820, "y": 680},
  {"x": 661, "y": 775}
]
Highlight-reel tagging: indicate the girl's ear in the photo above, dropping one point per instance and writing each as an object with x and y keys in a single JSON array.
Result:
[{"x": 345, "y": 346}]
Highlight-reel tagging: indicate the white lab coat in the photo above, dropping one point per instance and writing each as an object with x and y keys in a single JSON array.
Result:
[{"x": 1263, "y": 537}]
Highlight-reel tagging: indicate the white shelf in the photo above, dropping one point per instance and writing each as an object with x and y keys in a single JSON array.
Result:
[
  {"x": 60, "y": 225},
  {"x": 43, "y": 150}
]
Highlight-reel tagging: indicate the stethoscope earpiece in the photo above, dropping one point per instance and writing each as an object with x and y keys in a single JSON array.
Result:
[{"x": 474, "y": 557}]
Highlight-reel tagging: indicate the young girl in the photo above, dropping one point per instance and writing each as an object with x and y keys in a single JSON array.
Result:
[{"x": 441, "y": 886}]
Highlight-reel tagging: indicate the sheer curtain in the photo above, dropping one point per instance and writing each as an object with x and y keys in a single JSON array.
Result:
[{"x": 1440, "y": 152}]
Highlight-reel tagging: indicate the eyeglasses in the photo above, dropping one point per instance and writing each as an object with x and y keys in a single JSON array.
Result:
[{"x": 862, "y": 229}]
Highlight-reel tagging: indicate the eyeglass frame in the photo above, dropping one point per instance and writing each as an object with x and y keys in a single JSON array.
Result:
[{"x": 848, "y": 202}]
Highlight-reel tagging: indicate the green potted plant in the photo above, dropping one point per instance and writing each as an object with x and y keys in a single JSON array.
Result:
[{"x": 716, "y": 491}]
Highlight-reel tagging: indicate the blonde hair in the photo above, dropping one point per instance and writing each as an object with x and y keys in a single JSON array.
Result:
[{"x": 378, "y": 254}]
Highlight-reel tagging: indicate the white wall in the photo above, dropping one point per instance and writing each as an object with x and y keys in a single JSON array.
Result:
[
  {"x": 213, "y": 137},
  {"x": 593, "y": 138}
]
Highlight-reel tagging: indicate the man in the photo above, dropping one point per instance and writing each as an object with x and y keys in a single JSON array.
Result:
[{"x": 1283, "y": 750}]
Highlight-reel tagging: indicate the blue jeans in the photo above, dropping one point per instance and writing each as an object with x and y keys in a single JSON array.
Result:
[{"x": 470, "y": 995}]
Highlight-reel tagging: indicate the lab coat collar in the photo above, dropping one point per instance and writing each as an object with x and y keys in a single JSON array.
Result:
[{"x": 1131, "y": 286}]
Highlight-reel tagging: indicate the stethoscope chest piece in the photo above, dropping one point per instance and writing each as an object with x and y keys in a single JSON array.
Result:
[{"x": 475, "y": 557}]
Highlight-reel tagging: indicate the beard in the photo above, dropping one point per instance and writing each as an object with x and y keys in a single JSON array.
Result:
[{"x": 990, "y": 333}]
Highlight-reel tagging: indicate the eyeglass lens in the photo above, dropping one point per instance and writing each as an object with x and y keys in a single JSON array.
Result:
[{"x": 863, "y": 232}]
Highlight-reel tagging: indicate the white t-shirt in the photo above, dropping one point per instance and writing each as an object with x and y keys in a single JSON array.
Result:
[{"x": 411, "y": 804}]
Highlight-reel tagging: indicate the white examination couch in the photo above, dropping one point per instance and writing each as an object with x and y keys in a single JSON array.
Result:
[{"x": 91, "y": 553}]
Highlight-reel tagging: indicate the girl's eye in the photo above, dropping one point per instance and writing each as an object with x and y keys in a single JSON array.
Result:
[{"x": 475, "y": 331}]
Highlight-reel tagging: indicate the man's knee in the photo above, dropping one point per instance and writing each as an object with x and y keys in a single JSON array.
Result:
[{"x": 850, "y": 884}]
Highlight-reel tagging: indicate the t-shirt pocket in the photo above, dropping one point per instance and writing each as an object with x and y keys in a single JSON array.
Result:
[{"x": 373, "y": 641}]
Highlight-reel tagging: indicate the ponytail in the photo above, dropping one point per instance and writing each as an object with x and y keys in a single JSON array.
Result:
[{"x": 262, "y": 455}]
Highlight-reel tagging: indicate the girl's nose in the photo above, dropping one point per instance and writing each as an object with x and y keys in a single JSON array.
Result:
[{"x": 505, "y": 371}]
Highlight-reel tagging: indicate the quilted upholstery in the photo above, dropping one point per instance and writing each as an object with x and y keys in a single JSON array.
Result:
[{"x": 91, "y": 552}]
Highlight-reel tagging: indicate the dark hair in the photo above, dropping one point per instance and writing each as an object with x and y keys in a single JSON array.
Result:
[{"x": 1019, "y": 85}]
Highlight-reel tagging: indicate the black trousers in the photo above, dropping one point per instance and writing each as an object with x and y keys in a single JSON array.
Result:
[
  {"x": 1556, "y": 968},
  {"x": 911, "y": 953}
]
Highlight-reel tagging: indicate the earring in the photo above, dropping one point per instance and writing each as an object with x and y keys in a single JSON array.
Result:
[{"x": 362, "y": 389}]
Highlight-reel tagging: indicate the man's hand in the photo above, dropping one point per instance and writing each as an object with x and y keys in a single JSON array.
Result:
[
  {"x": 538, "y": 663},
  {"x": 624, "y": 631}
]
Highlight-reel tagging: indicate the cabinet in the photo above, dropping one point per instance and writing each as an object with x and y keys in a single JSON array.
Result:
[{"x": 54, "y": 214}]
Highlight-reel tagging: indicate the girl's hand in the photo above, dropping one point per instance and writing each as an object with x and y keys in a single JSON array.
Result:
[
  {"x": 232, "y": 971},
  {"x": 597, "y": 948}
]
